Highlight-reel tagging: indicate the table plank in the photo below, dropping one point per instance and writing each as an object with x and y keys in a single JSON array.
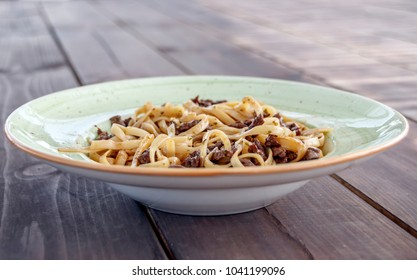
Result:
[
  {"x": 392, "y": 183},
  {"x": 324, "y": 212},
  {"x": 199, "y": 52},
  {"x": 310, "y": 223},
  {"x": 109, "y": 52},
  {"x": 46, "y": 214},
  {"x": 337, "y": 54},
  {"x": 253, "y": 235}
]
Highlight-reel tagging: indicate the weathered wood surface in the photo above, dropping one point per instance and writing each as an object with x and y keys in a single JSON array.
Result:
[
  {"x": 358, "y": 214},
  {"x": 46, "y": 214}
]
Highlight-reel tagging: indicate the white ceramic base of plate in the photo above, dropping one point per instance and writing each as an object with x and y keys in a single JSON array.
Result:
[{"x": 206, "y": 202}]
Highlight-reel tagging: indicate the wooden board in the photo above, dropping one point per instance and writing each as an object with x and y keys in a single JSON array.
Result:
[
  {"x": 349, "y": 216},
  {"x": 109, "y": 52},
  {"x": 46, "y": 214}
]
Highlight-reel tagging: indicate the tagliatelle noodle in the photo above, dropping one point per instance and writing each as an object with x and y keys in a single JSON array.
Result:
[{"x": 219, "y": 135}]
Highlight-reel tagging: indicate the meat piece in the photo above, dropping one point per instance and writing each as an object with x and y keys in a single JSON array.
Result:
[
  {"x": 144, "y": 157},
  {"x": 217, "y": 145},
  {"x": 102, "y": 135},
  {"x": 291, "y": 155},
  {"x": 312, "y": 153},
  {"x": 281, "y": 155},
  {"x": 280, "y": 118},
  {"x": 206, "y": 102},
  {"x": 279, "y": 152},
  {"x": 258, "y": 148},
  {"x": 293, "y": 127},
  {"x": 193, "y": 160},
  {"x": 221, "y": 156},
  {"x": 238, "y": 124},
  {"x": 186, "y": 126},
  {"x": 258, "y": 120},
  {"x": 117, "y": 119},
  {"x": 246, "y": 162},
  {"x": 272, "y": 141},
  {"x": 126, "y": 121}
]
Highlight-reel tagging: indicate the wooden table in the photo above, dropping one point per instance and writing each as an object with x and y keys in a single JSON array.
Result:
[{"x": 366, "y": 212}]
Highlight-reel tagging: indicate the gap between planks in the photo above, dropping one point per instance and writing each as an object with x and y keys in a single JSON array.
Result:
[
  {"x": 54, "y": 36},
  {"x": 376, "y": 205}
]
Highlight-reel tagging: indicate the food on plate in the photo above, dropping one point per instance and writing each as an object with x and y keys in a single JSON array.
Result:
[{"x": 205, "y": 133}]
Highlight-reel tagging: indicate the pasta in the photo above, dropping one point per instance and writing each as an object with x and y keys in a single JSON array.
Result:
[{"x": 205, "y": 133}]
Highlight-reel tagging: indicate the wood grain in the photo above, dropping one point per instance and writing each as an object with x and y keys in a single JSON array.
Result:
[
  {"x": 108, "y": 52},
  {"x": 253, "y": 235},
  {"x": 334, "y": 224},
  {"x": 184, "y": 234},
  {"x": 46, "y": 214},
  {"x": 199, "y": 52},
  {"x": 393, "y": 183}
]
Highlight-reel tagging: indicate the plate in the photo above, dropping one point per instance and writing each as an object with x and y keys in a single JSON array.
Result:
[{"x": 361, "y": 128}]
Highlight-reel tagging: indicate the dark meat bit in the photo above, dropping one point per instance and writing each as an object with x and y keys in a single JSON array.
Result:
[
  {"x": 144, "y": 157},
  {"x": 258, "y": 120},
  {"x": 193, "y": 160},
  {"x": 289, "y": 156},
  {"x": 217, "y": 145},
  {"x": 258, "y": 148},
  {"x": 271, "y": 141},
  {"x": 246, "y": 162},
  {"x": 279, "y": 152},
  {"x": 251, "y": 123},
  {"x": 312, "y": 153},
  {"x": 238, "y": 124},
  {"x": 221, "y": 156},
  {"x": 206, "y": 102},
  {"x": 102, "y": 135},
  {"x": 280, "y": 118},
  {"x": 126, "y": 121},
  {"x": 186, "y": 126},
  {"x": 117, "y": 119},
  {"x": 293, "y": 127}
]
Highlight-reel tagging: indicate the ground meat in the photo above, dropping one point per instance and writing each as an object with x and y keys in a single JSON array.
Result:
[
  {"x": 293, "y": 127},
  {"x": 271, "y": 141},
  {"x": 246, "y": 162},
  {"x": 221, "y": 156},
  {"x": 258, "y": 120},
  {"x": 117, "y": 119},
  {"x": 193, "y": 160},
  {"x": 312, "y": 153},
  {"x": 217, "y": 145},
  {"x": 144, "y": 157},
  {"x": 206, "y": 102},
  {"x": 289, "y": 156},
  {"x": 258, "y": 148},
  {"x": 186, "y": 126},
  {"x": 279, "y": 152},
  {"x": 126, "y": 121},
  {"x": 102, "y": 135},
  {"x": 280, "y": 118},
  {"x": 238, "y": 124}
]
